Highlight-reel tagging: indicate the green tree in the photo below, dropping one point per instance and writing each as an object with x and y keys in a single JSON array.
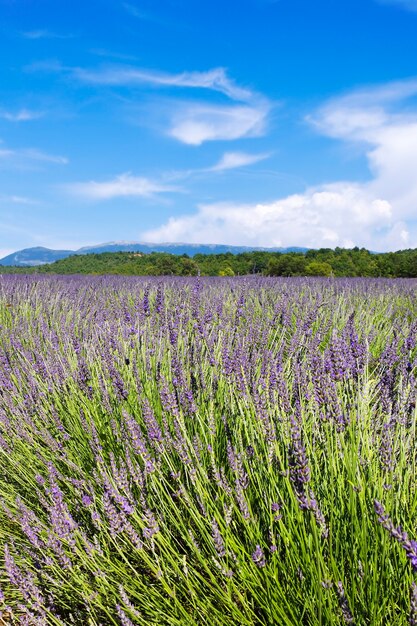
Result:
[
  {"x": 226, "y": 270},
  {"x": 286, "y": 265},
  {"x": 319, "y": 268}
]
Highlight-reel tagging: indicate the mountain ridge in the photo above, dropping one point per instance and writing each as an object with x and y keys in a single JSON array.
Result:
[{"x": 39, "y": 255}]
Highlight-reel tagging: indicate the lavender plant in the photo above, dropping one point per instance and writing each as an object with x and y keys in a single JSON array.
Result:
[{"x": 191, "y": 452}]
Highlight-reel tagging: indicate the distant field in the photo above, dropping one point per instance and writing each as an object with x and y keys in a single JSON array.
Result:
[{"x": 208, "y": 451}]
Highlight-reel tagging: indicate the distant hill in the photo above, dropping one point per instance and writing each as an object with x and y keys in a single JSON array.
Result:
[{"x": 31, "y": 257}]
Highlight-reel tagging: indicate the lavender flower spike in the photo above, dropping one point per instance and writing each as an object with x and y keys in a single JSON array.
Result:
[
  {"x": 410, "y": 546},
  {"x": 258, "y": 557},
  {"x": 218, "y": 539}
]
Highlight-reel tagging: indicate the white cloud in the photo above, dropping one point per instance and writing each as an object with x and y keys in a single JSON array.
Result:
[
  {"x": 215, "y": 79},
  {"x": 231, "y": 160},
  {"x": 124, "y": 185},
  {"x": 360, "y": 115},
  {"x": 195, "y": 124},
  {"x": 23, "y": 115},
  {"x": 331, "y": 215},
  {"x": 378, "y": 120},
  {"x": 379, "y": 214},
  {"x": 190, "y": 123}
]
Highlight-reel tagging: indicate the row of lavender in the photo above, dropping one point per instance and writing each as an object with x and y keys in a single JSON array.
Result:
[{"x": 207, "y": 452}]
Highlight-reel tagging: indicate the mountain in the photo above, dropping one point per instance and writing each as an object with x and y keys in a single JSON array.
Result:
[
  {"x": 30, "y": 257},
  {"x": 34, "y": 256},
  {"x": 176, "y": 248}
]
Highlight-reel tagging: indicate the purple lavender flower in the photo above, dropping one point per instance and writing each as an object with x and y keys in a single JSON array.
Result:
[
  {"x": 124, "y": 619},
  {"x": 298, "y": 460},
  {"x": 344, "y": 605},
  {"x": 218, "y": 539},
  {"x": 151, "y": 527},
  {"x": 410, "y": 546},
  {"x": 258, "y": 557}
]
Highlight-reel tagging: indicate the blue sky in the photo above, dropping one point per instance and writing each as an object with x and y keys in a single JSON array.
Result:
[{"x": 253, "y": 122}]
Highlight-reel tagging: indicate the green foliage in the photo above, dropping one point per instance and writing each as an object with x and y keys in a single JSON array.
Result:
[
  {"x": 323, "y": 262},
  {"x": 286, "y": 265},
  {"x": 319, "y": 268},
  {"x": 226, "y": 271}
]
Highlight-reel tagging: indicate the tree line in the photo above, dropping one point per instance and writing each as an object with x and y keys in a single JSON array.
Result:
[{"x": 321, "y": 262}]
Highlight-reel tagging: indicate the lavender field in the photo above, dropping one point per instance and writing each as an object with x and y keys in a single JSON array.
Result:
[{"x": 216, "y": 452}]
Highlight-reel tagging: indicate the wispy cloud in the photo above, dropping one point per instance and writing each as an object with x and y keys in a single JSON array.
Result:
[
  {"x": 103, "y": 52},
  {"x": 189, "y": 122},
  {"x": 18, "y": 200},
  {"x": 228, "y": 161},
  {"x": 52, "y": 66},
  {"x": 214, "y": 80},
  {"x": 197, "y": 123},
  {"x": 134, "y": 10},
  {"x": 26, "y": 156},
  {"x": 46, "y": 34},
  {"x": 124, "y": 185},
  {"x": 12, "y": 228},
  {"x": 378, "y": 214},
  {"x": 410, "y": 5},
  {"x": 5, "y": 153},
  {"x": 22, "y": 115},
  {"x": 156, "y": 17},
  {"x": 233, "y": 160},
  {"x": 33, "y": 154},
  {"x": 359, "y": 115},
  {"x": 194, "y": 123}
]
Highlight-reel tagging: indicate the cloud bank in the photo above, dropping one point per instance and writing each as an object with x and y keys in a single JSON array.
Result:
[
  {"x": 317, "y": 217},
  {"x": 380, "y": 214}
]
